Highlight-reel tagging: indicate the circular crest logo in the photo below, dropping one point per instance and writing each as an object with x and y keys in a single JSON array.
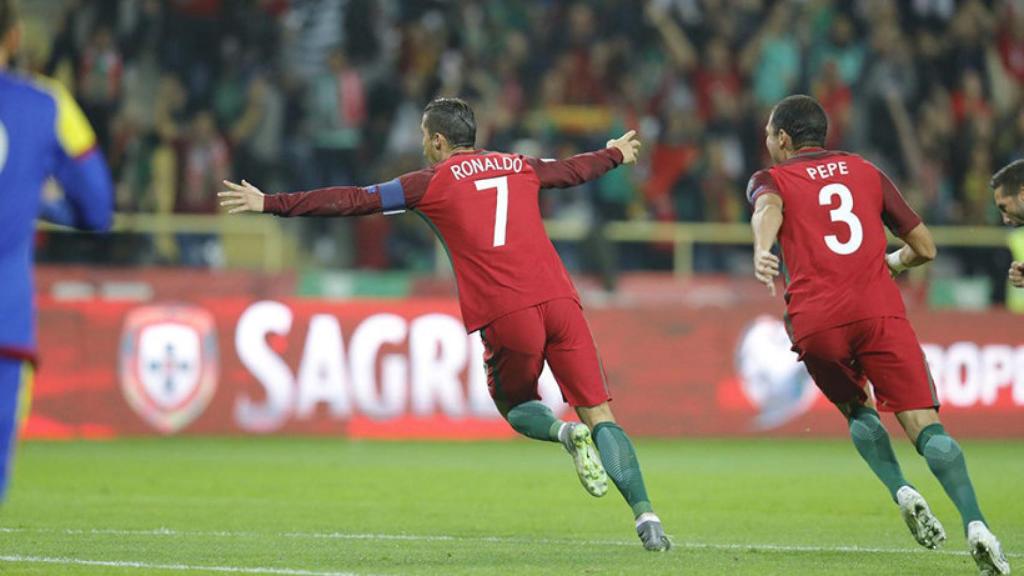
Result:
[
  {"x": 771, "y": 376},
  {"x": 168, "y": 364}
]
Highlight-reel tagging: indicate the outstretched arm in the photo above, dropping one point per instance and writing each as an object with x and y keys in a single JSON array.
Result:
[
  {"x": 766, "y": 222},
  {"x": 589, "y": 166},
  {"x": 672, "y": 35},
  {"x": 390, "y": 197},
  {"x": 242, "y": 197}
]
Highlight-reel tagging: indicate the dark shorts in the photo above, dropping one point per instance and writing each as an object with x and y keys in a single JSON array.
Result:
[
  {"x": 884, "y": 351},
  {"x": 516, "y": 346}
]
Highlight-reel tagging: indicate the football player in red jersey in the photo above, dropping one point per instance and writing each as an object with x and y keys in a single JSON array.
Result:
[
  {"x": 1008, "y": 189},
  {"x": 512, "y": 285},
  {"x": 845, "y": 315}
]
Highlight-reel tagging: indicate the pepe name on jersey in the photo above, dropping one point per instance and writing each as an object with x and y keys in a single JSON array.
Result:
[{"x": 826, "y": 170}]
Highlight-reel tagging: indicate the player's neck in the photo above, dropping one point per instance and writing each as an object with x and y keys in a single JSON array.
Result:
[
  {"x": 459, "y": 150},
  {"x": 802, "y": 150}
]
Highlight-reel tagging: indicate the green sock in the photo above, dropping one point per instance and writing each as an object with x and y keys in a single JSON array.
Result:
[
  {"x": 619, "y": 459},
  {"x": 946, "y": 461},
  {"x": 534, "y": 420},
  {"x": 872, "y": 441}
]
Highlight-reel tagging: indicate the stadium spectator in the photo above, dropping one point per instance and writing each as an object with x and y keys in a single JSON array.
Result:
[
  {"x": 326, "y": 86},
  {"x": 205, "y": 163},
  {"x": 337, "y": 105},
  {"x": 99, "y": 82}
]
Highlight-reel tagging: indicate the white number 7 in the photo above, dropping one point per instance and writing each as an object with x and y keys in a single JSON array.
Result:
[{"x": 501, "y": 210}]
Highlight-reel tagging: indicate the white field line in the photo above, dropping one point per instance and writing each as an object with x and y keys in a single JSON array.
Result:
[
  {"x": 761, "y": 547},
  {"x": 179, "y": 567}
]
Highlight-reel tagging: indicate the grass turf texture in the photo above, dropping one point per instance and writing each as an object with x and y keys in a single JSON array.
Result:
[{"x": 312, "y": 507}]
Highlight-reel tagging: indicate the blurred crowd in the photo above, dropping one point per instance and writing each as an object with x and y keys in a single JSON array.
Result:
[{"x": 298, "y": 94}]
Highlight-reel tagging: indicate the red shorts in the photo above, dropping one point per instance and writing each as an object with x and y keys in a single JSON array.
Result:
[
  {"x": 516, "y": 346},
  {"x": 884, "y": 351}
]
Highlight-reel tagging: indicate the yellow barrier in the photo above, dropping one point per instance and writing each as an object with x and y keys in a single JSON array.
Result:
[
  {"x": 237, "y": 233},
  {"x": 683, "y": 236}
]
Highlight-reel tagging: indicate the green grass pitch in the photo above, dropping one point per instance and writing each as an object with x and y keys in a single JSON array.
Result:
[{"x": 317, "y": 507}]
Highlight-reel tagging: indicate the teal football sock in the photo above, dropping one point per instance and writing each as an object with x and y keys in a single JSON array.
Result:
[
  {"x": 619, "y": 459},
  {"x": 535, "y": 420},
  {"x": 946, "y": 461},
  {"x": 874, "y": 446}
]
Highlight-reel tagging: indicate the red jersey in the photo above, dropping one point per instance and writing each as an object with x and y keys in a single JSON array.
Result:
[
  {"x": 832, "y": 238},
  {"x": 485, "y": 207}
]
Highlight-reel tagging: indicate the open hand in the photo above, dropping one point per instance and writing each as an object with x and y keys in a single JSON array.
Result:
[
  {"x": 766, "y": 268},
  {"x": 242, "y": 197},
  {"x": 628, "y": 145},
  {"x": 1017, "y": 274}
]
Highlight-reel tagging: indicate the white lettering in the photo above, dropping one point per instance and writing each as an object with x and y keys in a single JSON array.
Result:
[
  {"x": 827, "y": 170},
  {"x": 480, "y": 402},
  {"x": 996, "y": 370},
  {"x": 391, "y": 367},
  {"x": 495, "y": 163},
  {"x": 374, "y": 332},
  {"x": 259, "y": 320},
  {"x": 322, "y": 373},
  {"x": 970, "y": 375},
  {"x": 1018, "y": 378},
  {"x": 960, "y": 374},
  {"x": 437, "y": 351},
  {"x": 934, "y": 358}
]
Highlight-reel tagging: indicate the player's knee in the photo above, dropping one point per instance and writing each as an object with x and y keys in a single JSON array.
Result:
[
  {"x": 525, "y": 410},
  {"x": 866, "y": 425},
  {"x": 855, "y": 410},
  {"x": 938, "y": 447},
  {"x": 594, "y": 415},
  {"x": 861, "y": 430},
  {"x": 942, "y": 450}
]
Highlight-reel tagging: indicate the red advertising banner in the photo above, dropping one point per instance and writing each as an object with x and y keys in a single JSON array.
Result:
[{"x": 406, "y": 368}]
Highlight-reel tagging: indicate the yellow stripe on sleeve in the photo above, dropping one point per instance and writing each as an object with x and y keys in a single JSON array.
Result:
[
  {"x": 74, "y": 132},
  {"x": 28, "y": 379}
]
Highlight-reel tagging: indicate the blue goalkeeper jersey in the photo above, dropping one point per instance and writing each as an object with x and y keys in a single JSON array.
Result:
[{"x": 43, "y": 133}]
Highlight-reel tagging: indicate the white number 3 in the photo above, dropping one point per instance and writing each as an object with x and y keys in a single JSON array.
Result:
[
  {"x": 501, "y": 210},
  {"x": 844, "y": 213}
]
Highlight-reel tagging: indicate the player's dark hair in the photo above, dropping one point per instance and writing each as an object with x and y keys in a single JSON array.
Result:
[
  {"x": 803, "y": 119},
  {"x": 8, "y": 16},
  {"x": 452, "y": 118},
  {"x": 1010, "y": 177}
]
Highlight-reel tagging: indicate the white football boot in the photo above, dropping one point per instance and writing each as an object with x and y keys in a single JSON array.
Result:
[
  {"x": 575, "y": 437},
  {"x": 924, "y": 526},
  {"x": 986, "y": 551},
  {"x": 651, "y": 533}
]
